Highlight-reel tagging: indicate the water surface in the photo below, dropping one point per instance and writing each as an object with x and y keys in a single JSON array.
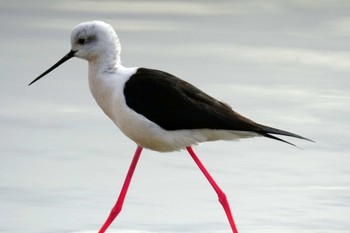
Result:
[{"x": 62, "y": 162}]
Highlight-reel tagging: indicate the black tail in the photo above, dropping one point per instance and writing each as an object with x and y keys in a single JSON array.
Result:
[{"x": 267, "y": 131}]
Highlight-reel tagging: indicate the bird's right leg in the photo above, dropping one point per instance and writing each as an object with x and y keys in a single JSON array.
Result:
[
  {"x": 218, "y": 190},
  {"x": 119, "y": 204}
]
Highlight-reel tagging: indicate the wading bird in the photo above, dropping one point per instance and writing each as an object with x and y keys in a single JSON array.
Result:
[{"x": 155, "y": 109}]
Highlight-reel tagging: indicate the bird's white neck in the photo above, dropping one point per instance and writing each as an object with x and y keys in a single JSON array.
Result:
[
  {"x": 101, "y": 77},
  {"x": 104, "y": 64}
]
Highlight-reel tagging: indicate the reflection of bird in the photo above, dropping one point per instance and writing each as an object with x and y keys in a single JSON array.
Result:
[{"x": 153, "y": 108}]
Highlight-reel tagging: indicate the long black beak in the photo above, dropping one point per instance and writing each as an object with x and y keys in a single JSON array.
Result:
[{"x": 64, "y": 59}]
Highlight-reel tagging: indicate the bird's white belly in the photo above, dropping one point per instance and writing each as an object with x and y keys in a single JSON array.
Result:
[{"x": 149, "y": 135}]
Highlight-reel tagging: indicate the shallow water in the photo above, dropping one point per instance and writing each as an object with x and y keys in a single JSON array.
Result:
[{"x": 62, "y": 162}]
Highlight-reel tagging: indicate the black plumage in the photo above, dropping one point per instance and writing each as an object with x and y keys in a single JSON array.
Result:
[{"x": 175, "y": 104}]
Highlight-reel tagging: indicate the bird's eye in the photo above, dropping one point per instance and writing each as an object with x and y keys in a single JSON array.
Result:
[{"x": 81, "y": 41}]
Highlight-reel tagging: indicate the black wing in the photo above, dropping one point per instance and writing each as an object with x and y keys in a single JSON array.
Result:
[{"x": 174, "y": 104}]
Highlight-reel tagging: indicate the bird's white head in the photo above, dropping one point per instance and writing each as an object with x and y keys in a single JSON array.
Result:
[{"x": 94, "y": 41}]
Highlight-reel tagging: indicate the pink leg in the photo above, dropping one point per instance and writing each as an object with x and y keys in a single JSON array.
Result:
[
  {"x": 221, "y": 194},
  {"x": 118, "y": 206}
]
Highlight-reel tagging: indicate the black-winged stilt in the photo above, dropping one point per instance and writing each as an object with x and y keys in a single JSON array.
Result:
[{"x": 155, "y": 109}]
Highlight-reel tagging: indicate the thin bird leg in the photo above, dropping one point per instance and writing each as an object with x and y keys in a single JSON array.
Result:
[
  {"x": 221, "y": 194},
  {"x": 119, "y": 204}
]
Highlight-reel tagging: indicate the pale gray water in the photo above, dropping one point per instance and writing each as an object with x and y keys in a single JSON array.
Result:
[{"x": 283, "y": 64}]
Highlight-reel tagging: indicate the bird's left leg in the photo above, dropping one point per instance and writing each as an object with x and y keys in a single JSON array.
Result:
[
  {"x": 119, "y": 204},
  {"x": 218, "y": 190}
]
